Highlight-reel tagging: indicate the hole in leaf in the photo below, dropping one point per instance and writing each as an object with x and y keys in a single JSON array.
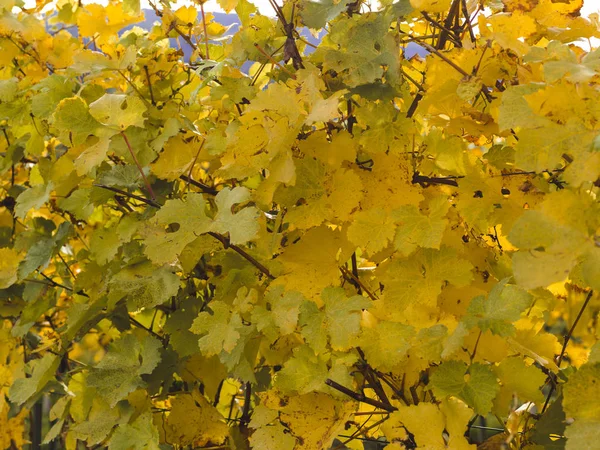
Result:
[{"x": 173, "y": 227}]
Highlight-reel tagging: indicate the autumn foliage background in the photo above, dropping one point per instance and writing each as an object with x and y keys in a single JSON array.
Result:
[{"x": 276, "y": 245}]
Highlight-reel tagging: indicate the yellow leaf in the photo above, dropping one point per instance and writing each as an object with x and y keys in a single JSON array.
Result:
[
  {"x": 371, "y": 230},
  {"x": 9, "y": 263},
  {"x": 175, "y": 159},
  {"x": 194, "y": 421},
  {"x": 431, "y": 6}
]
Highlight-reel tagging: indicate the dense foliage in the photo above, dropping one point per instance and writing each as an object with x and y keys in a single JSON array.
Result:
[{"x": 344, "y": 243}]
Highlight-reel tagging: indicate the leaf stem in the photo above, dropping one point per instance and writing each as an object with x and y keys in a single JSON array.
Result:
[
  {"x": 134, "y": 87},
  {"x": 227, "y": 244},
  {"x": 565, "y": 343},
  {"x": 245, "y": 419},
  {"x": 359, "y": 397},
  {"x": 270, "y": 58},
  {"x": 127, "y": 194},
  {"x": 570, "y": 333},
  {"x": 206, "y": 189},
  {"x": 356, "y": 282},
  {"x": 137, "y": 163},
  {"x": 153, "y": 333},
  {"x": 205, "y": 30},
  {"x": 149, "y": 85},
  {"x": 194, "y": 163}
]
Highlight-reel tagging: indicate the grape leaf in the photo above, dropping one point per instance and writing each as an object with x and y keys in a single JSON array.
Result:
[
  {"x": 222, "y": 319},
  {"x": 499, "y": 309},
  {"x": 32, "y": 198},
  {"x": 73, "y": 120},
  {"x": 475, "y": 384},
  {"x": 118, "y": 111},
  {"x": 42, "y": 371},
  {"x": 144, "y": 285},
  {"x": 119, "y": 372},
  {"x": 9, "y": 263},
  {"x": 193, "y": 420}
]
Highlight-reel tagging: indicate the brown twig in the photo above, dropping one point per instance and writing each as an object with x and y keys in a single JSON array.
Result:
[
  {"x": 413, "y": 81},
  {"x": 467, "y": 23},
  {"x": 472, "y": 356},
  {"x": 398, "y": 390},
  {"x": 359, "y": 397},
  {"x": 153, "y": 333},
  {"x": 245, "y": 419},
  {"x": 342, "y": 445},
  {"x": 127, "y": 194},
  {"x": 443, "y": 57},
  {"x": 425, "y": 181},
  {"x": 227, "y": 244},
  {"x": 206, "y": 189},
  {"x": 174, "y": 27},
  {"x": 356, "y": 281},
  {"x": 67, "y": 266},
  {"x": 443, "y": 31}
]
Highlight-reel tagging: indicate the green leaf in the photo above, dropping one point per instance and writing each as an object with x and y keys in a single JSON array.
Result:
[
  {"x": 78, "y": 204},
  {"x": 119, "y": 372},
  {"x": 362, "y": 46},
  {"x": 131, "y": 6},
  {"x": 499, "y": 309},
  {"x": 343, "y": 316},
  {"x": 315, "y": 14},
  {"x": 241, "y": 226},
  {"x": 118, "y": 111},
  {"x": 104, "y": 245},
  {"x": 475, "y": 384},
  {"x": 122, "y": 177},
  {"x": 551, "y": 143},
  {"x": 144, "y": 285},
  {"x": 313, "y": 327},
  {"x": 548, "y": 431},
  {"x": 186, "y": 220},
  {"x": 93, "y": 155},
  {"x": 32, "y": 198},
  {"x": 40, "y": 252},
  {"x": 220, "y": 329},
  {"x": 42, "y": 371},
  {"x": 74, "y": 121},
  {"x": 141, "y": 434},
  {"x": 50, "y": 91},
  {"x": 285, "y": 308},
  {"x": 100, "y": 421},
  {"x": 304, "y": 372}
]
